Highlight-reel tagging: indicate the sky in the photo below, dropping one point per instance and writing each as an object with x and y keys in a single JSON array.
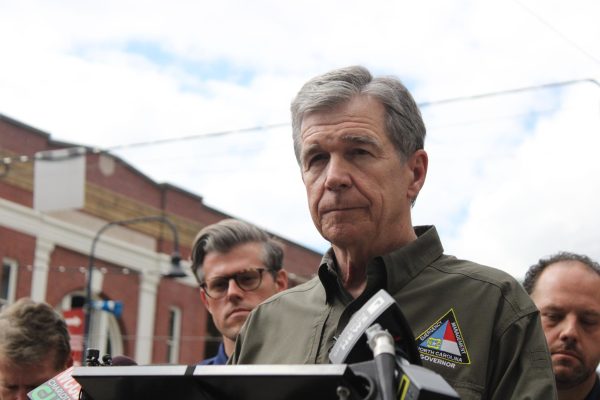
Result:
[{"x": 197, "y": 94}]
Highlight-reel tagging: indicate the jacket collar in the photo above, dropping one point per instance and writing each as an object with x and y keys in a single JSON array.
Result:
[{"x": 391, "y": 271}]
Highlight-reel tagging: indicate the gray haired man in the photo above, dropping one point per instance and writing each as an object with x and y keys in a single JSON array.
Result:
[{"x": 359, "y": 142}]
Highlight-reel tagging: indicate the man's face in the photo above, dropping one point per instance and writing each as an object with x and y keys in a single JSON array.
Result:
[
  {"x": 230, "y": 312},
  {"x": 17, "y": 380},
  {"x": 568, "y": 296},
  {"x": 359, "y": 189}
]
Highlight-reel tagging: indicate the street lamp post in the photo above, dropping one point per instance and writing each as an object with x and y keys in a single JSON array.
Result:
[{"x": 176, "y": 270}]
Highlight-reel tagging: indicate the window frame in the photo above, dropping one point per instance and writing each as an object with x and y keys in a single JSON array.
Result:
[
  {"x": 13, "y": 266},
  {"x": 174, "y": 335}
]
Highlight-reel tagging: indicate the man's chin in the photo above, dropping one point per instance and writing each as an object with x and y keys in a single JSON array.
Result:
[
  {"x": 342, "y": 236},
  {"x": 232, "y": 331},
  {"x": 568, "y": 377},
  {"x": 236, "y": 320}
]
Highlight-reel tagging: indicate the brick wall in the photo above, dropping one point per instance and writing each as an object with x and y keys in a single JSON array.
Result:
[
  {"x": 193, "y": 319},
  {"x": 20, "y": 247},
  {"x": 116, "y": 191}
]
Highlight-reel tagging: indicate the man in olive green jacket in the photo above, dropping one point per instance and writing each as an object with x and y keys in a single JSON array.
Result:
[{"x": 359, "y": 143}]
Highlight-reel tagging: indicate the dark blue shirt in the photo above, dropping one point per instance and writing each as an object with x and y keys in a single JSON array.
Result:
[
  {"x": 595, "y": 393},
  {"x": 219, "y": 359}
]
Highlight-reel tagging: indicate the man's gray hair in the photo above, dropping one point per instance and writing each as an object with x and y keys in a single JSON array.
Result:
[
  {"x": 404, "y": 123},
  {"x": 30, "y": 332},
  {"x": 534, "y": 272},
  {"x": 228, "y": 233}
]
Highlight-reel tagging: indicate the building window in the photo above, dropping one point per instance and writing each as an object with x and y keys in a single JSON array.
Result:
[
  {"x": 174, "y": 335},
  {"x": 8, "y": 281}
]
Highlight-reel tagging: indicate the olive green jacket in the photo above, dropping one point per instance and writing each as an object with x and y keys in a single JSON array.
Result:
[{"x": 473, "y": 325}]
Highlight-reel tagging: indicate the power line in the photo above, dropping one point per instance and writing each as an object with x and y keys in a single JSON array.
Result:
[
  {"x": 6, "y": 162},
  {"x": 197, "y": 136},
  {"x": 559, "y": 33},
  {"x": 421, "y": 104},
  {"x": 508, "y": 91}
]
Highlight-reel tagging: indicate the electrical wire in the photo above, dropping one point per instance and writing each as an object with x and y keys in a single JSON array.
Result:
[
  {"x": 508, "y": 91},
  {"x": 197, "y": 136},
  {"x": 559, "y": 33},
  {"x": 5, "y": 162}
]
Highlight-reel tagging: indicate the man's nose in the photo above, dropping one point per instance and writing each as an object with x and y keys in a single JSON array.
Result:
[
  {"x": 233, "y": 290},
  {"x": 338, "y": 174},
  {"x": 569, "y": 330}
]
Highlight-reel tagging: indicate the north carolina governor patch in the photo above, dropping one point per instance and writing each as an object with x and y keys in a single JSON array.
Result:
[{"x": 444, "y": 341}]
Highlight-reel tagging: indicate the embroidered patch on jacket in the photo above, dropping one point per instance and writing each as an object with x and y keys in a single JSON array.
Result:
[{"x": 443, "y": 343}]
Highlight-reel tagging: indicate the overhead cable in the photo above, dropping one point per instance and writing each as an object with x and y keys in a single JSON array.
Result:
[{"x": 5, "y": 162}]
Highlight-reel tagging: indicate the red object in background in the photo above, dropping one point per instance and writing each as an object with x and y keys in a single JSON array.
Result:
[{"x": 75, "y": 321}]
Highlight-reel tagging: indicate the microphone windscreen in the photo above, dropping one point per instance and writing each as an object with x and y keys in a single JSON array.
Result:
[
  {"x": 122, "y": 360},
  {"x": 351, "y": 345}
]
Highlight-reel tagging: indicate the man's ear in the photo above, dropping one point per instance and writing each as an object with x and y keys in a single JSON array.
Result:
[
  {"x": 281, "y": 280},
  {"x": 204, "y": 300},
  {"x": 417, "y": 164}
]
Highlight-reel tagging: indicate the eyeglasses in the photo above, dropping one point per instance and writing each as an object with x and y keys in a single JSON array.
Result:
[{"x": 247, "y": 280}]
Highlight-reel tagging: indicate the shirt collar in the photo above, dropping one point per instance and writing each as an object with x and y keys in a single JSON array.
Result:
[
  {"x": 392, "y": 270},
  {"x": 328, "y": 274},
  {"x": 405, "y": 263}
]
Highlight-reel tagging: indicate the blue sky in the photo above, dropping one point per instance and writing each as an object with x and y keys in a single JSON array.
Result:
[
  {"x": 512, "y": 177},
  {"x": 220, "y": 69}
]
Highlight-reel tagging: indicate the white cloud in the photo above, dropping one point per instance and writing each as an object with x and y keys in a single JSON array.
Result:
[
  {"x": 505, "y": 186},
  {"x": 542, "y": 197}
]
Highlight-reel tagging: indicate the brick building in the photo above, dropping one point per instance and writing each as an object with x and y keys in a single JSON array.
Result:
[{"x": 45, "y": 255}]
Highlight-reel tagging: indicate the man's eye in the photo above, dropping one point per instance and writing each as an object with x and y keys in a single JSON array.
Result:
[
  {"x": 245, "y": 279},
  {"x": 359, "y": 152},
  {"x": 317, "y": 158},
  {"x": 218, "y": 285},
  {"x": 552, "y": 317},
  {"x": 589, "y": 321}
]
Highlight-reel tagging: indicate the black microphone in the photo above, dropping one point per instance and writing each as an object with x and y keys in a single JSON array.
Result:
[
  {"x": 380, "y": 346},
  {"x": 93, "y": 355},
  {"x": 107, "y": 361},
  {"x": 351, "y": 346},
  {"x": 122, "y": 360}
]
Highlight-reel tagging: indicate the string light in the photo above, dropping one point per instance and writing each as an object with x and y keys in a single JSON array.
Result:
[{"x": 83, "y": 270}]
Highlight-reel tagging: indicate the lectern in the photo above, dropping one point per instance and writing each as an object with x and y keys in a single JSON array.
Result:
[
  {"x": 255, "y": 382},
  {"x": 221, "y": 382}
]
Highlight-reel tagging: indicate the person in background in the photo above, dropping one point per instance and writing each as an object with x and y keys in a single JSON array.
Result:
[
  {"x": 566, "y": 289},
  {"x": 359, "y": 142},
  {"x": 237, "y": 266},
  {"x": 34, "y": 347}
]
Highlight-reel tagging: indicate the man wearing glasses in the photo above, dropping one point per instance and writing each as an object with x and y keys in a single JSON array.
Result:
[{"x": 238, "y": 266}]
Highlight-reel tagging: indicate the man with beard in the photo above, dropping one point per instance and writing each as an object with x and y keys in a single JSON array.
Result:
[
  {"x": 238, "y": 266},
  {"x": 566, "y": 289}
]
